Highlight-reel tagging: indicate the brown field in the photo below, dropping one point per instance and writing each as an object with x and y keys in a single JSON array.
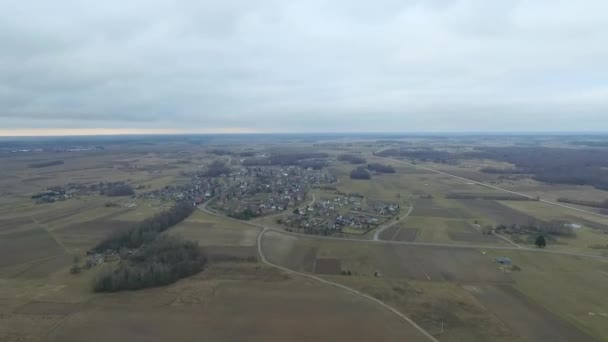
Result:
[
  {"x": 228, "y": 253},
  {"x": 210, "y": 230},
  {"x": 48, "y": 308},
  {"x": 410, "y": 262},
  {"x": 327, "y": 266},
  {"x": 432, "y": 265},
  {"x": 256, "y": 308},
  {"x": 496, "y": 212},
  {"x": 523, "y": 315},
  {"x": 87, "y": 234}
]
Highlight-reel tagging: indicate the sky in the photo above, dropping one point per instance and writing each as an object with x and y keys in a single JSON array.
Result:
[{"x": 236, "y": 66}]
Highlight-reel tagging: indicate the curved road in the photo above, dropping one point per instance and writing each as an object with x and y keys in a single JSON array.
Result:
[
  {"x": 349, "y": 289},
  {"x": 310, "y": 276},
  {"x": 379, "y": 231}
]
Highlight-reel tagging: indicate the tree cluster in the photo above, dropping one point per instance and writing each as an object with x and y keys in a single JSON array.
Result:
[
  {"x": 147, "y": 230},
  {"x": 216, "y": 168},
  {"x": 556, "y": 228},
  {"x": 382, "y": 168},
  {"x": 352, "y": 159},
  {"x": 162, "y": 262},
  {"x": 360, "y": 173}
]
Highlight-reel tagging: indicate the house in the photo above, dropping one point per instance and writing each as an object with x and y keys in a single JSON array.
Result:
[{"x": 503, "y": 261}]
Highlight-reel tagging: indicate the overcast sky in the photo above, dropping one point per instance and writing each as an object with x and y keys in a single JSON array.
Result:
[{"x": 303, "y": 66}]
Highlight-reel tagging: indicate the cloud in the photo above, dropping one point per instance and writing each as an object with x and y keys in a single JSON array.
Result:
[{"x": 304, "y": 65}]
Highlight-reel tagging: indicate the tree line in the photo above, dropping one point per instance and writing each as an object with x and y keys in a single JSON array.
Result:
[
  {"x": 147, "y": 230},
  {"x": 381, "y": 168},
  {"x": 593, "y": 204},
  {"x": 162, "y": 262},
  {"x": 363, "y": 172},
  {"x": 46, "y": 163},
  {"x": 556, "y": 165},
  {"x": 352, "y": 159}
]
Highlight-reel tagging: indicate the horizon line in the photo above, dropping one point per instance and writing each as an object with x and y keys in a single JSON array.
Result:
[{"x": 96, "y": 132}]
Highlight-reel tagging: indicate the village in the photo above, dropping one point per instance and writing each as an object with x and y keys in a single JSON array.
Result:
[
  {"x": 257, "y": 191},
  {"x": 351, "y": 214},
  {"x": 197, "y": 191}
]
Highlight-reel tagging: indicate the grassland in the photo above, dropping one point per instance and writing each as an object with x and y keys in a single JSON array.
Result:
[{"x": 573, "y": 288}]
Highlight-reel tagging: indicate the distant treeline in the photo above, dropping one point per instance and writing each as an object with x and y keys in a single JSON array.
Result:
[
  {"x": 591, "y": 143},
  {"x": 382, "y": 168},
  {"x": 46, "y": 163},
  {"x": 576, "y": 166},
  {"x": 352, "y": 159},
  {"x": 509, "y": 171},
  {"x": 147, "y": 230},
  {"x": 313, "y": 160},
  {"x": 594, "y": 204},
  {"x": 422, "y": 154},
  {"x": 164, "y": 261},
  {"x": 555, "y": 165},
  {"x": 223, "y": 152},
  {"x": 495, "y": 197}
]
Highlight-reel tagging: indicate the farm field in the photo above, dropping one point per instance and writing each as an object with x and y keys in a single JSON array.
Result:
[
  {"x": 436, "y": 264},
  {"x": 443, "y": 274}
]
